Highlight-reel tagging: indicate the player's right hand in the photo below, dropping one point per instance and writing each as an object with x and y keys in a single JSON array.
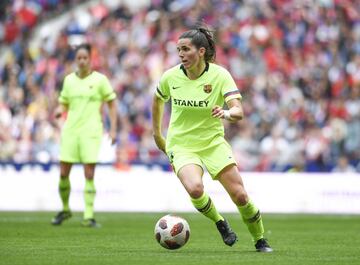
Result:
[
  {"x": 160, "y": 142},
  {"x": 217, "y": 112},
  {"x": 57, "y": 114}
]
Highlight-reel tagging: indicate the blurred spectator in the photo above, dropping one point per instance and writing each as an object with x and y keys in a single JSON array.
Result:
[
  {"x": 298, "y": 165},
  {"x": 343, "y": 166},
  {"x": 19, "y": 17}
]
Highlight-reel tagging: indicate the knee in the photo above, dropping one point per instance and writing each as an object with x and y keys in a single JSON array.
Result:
[
  {"x": 89, "y": 175},
  {"x": 240, "y": 197},
  {"x": 196, "y": 191}
]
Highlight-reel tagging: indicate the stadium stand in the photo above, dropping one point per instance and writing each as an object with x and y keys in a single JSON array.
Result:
[{"x": 296, "y": 63}]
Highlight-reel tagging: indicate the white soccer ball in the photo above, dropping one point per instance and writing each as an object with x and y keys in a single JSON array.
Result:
[{"x": 172, "y": 232}]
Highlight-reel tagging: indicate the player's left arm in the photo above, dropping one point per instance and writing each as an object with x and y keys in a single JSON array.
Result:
[
  {"x": 109, "y": 96},
  {"x": 234, "y": 113},
  {"x": 232, "y": 97},
  {"x": 112, "y": 105}
]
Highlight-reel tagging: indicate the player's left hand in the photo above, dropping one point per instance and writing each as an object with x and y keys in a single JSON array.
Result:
[
  {"x": 112, "y": 135},
  {"x": 217, "y": 112}
]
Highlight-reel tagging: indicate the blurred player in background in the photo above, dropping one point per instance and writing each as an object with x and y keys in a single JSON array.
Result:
[
  {"x": 198, "y": 89},
  {"x": 82, "y": 96}
]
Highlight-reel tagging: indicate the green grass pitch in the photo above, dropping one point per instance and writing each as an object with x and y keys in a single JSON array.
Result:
[{"x": 128, "y": 238}]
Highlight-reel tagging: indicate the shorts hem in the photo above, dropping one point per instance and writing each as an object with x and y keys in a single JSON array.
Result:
[
  {"x": 185, "y": 164},
  {"x": 77, "y": 161},
  {"x": 216, "y": 176}
]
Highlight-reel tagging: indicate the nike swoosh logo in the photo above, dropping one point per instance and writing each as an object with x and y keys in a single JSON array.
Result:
[{"x": 175, "y": 87}]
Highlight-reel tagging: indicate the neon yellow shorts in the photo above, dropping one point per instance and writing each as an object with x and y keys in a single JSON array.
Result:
[
  {"x": 80, "y": 149},
  {"x": 214, "y": 158}
]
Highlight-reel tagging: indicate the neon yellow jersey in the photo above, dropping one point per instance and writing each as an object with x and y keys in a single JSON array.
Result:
[
  {"x": 84, "y": 98},
  {"x": 191, "y": 125}
]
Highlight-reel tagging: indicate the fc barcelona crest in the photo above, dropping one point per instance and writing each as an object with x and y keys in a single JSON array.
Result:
[{"x": 207, "y": 88}]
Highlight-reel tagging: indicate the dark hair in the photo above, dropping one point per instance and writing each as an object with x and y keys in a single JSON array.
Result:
[
  {"x": 85, "y": 46},
  {"x": 202, "y": 37}
]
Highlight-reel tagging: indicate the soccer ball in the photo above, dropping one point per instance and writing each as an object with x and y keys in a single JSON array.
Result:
[{"x": 172, "y": 232}]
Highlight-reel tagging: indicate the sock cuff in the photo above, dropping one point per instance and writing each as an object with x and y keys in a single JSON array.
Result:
[
  {"x": 89, "y": 185},
  {"x": 250, "y": 212},
  {"x": 243, "y": 207},
  {"x": 201, "y": 201},
  {"x": 64, "y": 182}
]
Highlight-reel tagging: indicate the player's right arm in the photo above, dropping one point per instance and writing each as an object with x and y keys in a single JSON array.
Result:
[
  {"x": 157, "y": 116},
  {"x": 63, "y": 100},
  {"x": 162, "y": 95}
]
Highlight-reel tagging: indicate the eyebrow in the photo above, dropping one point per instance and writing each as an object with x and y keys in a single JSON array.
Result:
[{"x": 182, "y": 46}]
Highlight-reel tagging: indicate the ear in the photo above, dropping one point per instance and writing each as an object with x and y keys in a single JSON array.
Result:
[{"x": 202, "y": 51}]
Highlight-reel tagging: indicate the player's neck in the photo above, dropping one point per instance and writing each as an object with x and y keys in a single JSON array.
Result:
[
  {"x": 83, "y": 73},
  {"x": 197, "y": 71}
]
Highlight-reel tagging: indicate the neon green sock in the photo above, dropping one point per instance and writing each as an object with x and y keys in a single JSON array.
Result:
[
  {"x": 252, "y": 218},
  {"x": 89, "y": 196},
  {"x": 64, "y": 190},
  {"x": 205, "y": 205}
]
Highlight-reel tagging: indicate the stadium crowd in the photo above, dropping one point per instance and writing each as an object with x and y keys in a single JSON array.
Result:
[
  {"x": 296, "y": 63},
  {"x": 19, "y": 17}
]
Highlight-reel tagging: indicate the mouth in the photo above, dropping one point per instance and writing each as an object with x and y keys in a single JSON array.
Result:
[{"x": 184, "y": 62}]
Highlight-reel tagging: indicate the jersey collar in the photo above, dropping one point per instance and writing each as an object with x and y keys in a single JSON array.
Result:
[
  {"x": 205, "y": 70},
  {"x": 77, "y": 74}
]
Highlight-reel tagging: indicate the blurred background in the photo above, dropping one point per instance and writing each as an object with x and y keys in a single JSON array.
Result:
[
  {"x": 297, "y": 66},
  {"x": 296, "y": 63}
]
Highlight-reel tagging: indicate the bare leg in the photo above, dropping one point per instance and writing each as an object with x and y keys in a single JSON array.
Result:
[
  {"x": 231, "y": 180},
  {"x": 89, "y": 171},
  {"x": 191, "y": 178}
]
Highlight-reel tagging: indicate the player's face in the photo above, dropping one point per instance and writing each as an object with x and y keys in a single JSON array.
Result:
[
  {"x": 83, "y": 59},
  {"x": 189, "y": 55}
]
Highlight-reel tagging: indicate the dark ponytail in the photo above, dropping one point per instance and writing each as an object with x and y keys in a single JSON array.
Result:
[{"x": 202, "y": 37}]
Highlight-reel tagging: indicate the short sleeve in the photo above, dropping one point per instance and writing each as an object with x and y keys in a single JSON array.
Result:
[
  {"x": 162, "y": 90},
  {"x": 64, "y": 94},
  {"x": 229, "y": 89},
  {"x": 107, "y": 91}
]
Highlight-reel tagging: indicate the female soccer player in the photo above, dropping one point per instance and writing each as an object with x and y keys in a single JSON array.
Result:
[
  {"x": 83, "y": 93},
  {"x": 198, "y": 89}
]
